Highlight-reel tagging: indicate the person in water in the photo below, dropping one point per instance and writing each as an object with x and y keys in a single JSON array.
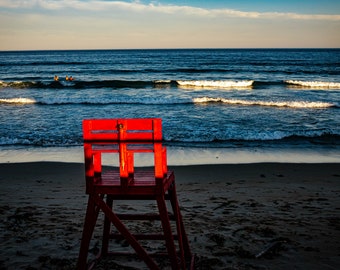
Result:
[
  {"x": 56, "y": 78},
  {"x": 69, "y": 78}
]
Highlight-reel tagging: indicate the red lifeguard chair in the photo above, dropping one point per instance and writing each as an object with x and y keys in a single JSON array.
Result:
[{"x": 127, "y": 138}]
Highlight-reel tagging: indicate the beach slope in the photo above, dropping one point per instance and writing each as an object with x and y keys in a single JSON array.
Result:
[{"x": 237, "y": 216}]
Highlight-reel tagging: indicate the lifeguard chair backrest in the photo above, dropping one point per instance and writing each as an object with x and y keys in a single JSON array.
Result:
[
  {"x": 131, "y": 136},
  {"x": 139, "y": 129}
]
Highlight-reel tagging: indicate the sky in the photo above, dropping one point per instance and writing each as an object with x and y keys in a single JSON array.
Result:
[{"x": 143, "y": 24}]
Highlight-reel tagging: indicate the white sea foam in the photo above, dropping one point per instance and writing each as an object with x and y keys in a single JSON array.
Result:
[
  {"x": 162, "y": 81},
  {"x": 315, "y": 84},
  {"x": 17, "y": 84},
  {"x": 17, "y": 100},
  {"x": 290, "y": 104},
  {"x": 224, "y": 84}
]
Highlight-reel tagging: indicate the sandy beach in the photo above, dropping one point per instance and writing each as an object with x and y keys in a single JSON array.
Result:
[{"x": 237, "y": 216}]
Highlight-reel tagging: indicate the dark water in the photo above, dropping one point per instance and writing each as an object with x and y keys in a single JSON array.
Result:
[{"x": 210, "y": 98}]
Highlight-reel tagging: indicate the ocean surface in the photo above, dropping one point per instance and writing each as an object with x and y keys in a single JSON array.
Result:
[{"x": 231, "y": 99}]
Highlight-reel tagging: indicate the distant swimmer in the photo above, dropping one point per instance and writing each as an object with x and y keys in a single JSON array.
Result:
[
  {"x": 66, "y": 78},
  {"x": 71, "y": 78},
  {"x": 56, "y": 78}
]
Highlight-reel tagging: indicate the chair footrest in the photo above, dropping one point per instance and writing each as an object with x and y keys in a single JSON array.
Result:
[
  {"x": 118, "y": 236},
  {"x": 143, "y": 216},
  {"x": 152, "y": 254}
]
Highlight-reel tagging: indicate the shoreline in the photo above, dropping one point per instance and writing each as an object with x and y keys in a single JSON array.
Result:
[
  {"x": 237, "y": 216},
  {"x": 181, "y": 155}
]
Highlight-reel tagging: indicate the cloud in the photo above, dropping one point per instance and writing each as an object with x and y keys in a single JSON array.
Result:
[
  {"x": 274, "y": 15},
  {"x": 154, "y": 7}
]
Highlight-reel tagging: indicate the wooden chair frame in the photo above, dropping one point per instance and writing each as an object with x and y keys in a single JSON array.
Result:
[{"x": 126, "y": 137}]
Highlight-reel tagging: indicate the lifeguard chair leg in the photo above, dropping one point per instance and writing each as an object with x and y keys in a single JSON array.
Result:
[
  {"x": 89, "y": 224},
  {"x": 107, "y": 227},
  {"x": 179, "y": 228},
  {"x": 169, "y": 239},
  {"x": 183, "y": 239}
]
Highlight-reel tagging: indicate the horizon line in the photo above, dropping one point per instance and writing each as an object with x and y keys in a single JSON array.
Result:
[{"x": 179, "y": 48}]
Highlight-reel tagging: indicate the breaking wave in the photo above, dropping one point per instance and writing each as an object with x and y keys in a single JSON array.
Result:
[
  {"x": 19, "y": 84},
  {"x": 227, "y": 138},
  {"x": 225, "y": 84},
  {"x": 18, "y": 100},
  {"x": 183, "y": 84},
  {"x": 314, "y": 84},
  {"x": 166, "y": 101},
  {"x": 190, "y": 84},
  {"x": 289, "y": 104}
]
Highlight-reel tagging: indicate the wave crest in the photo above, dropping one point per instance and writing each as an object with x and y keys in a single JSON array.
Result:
[
  {"x": 17, "y": 100},
  {"x": 184, "y": 84},
  {"x": 290, "y": 104},
  {"x": 224, "y": 84},
  {"x": 18, "y": 84},
  {"x": 314, "y": 84}
]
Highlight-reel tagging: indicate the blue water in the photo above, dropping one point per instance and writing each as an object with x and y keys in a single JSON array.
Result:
[{"x": 261, "y": 98}]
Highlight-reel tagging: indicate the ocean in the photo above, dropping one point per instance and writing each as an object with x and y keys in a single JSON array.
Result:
[{"x": 228, "y": 100}]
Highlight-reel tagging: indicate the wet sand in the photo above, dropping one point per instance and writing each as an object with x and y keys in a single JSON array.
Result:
[{"x": 237, "y": 216}]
